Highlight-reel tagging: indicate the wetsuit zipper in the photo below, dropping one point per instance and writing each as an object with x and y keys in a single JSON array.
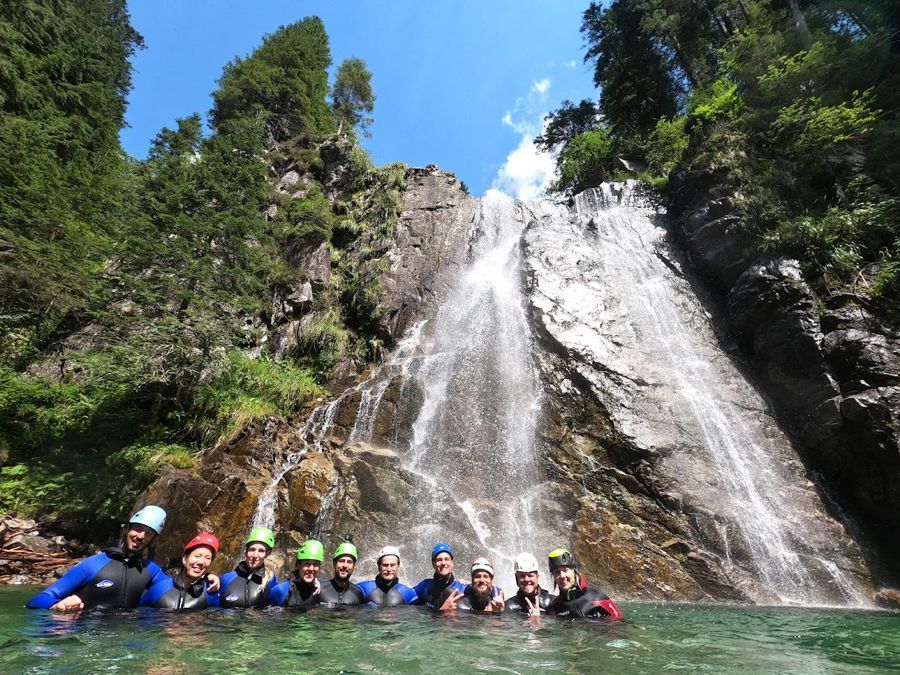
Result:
[{"x": 124, "y": 584}]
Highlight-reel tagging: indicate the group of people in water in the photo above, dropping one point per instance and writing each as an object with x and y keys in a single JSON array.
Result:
[{"x": 121, "y": 578}]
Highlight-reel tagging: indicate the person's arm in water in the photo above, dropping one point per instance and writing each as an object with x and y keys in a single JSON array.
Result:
[{"x": 61, "y": 596}]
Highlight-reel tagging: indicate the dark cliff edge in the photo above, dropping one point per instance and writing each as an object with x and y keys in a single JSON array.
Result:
[{"x": 828, "y": 365}]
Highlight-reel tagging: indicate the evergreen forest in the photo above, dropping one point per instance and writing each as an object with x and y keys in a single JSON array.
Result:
[
  {"x": 136, "y": 295},
  {"x": 791, "y": 104}
]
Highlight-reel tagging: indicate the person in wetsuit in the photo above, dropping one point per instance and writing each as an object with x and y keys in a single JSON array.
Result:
[
  {"x": 250, "y": 584},
  {"x": 576, "y": 598},
  {"x": 301, "y": 590},
  {"x": 113, "y": 579},
  {"x": 385, "y": 588},
  {"x": 481, "y": 595},
  {"x": 530, "y": 598},
  {"x": 339, "y": 590},
  {"x": 432, "y": 592},
  {"x": 187, "y": 589}
]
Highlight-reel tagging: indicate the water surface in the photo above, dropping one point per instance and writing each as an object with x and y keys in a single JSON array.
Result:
[{"x": 653, "y": 638}]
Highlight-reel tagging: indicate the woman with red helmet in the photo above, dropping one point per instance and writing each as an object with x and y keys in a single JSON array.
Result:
[{"x": 187, "y": 589}]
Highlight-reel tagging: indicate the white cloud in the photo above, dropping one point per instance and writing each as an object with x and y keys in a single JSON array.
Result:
[
  {"x": 527, "y": 172},
  {"x": 541, "y": 87}
]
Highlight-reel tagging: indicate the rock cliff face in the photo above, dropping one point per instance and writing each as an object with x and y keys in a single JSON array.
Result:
[
  {"x": 831, "y": 369},
  {"x": 626, "y": 473}
]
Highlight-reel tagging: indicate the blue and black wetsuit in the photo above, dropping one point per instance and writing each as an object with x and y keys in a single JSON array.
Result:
[
  {"x": 294, "y": 593},
  {"x": 471, "y": 601},
  {"x": 176, "y": 593},
  {"x": 389, "y": 593},
  {"x": 518, "y": 601},
  {"x": 582, "y": 602},
  {"x": 332, "y": 594},
  {"x": 432, "y": 592},
  {"x": 108, "y": 580},
  {"x": 243, "y": 588}
]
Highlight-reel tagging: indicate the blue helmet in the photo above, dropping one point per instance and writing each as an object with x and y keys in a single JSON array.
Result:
[
  {"x": 441, "y": 548},
  {"x": 152, "y": 516}
]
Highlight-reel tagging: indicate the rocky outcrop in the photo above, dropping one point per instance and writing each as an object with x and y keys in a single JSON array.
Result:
[
  {"x": 428, "y": 246},
  {"x": 830, "y": 367},
  {"x": 641, "y": 406}
]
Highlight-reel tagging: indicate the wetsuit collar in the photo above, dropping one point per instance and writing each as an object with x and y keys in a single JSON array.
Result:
[
  {"x": 304, "y": 589},
  {"x": 194, "y": 588},
  {"x": 131, "y": 559},
  {"x": 338, "y": 586},
  {"x": 255, "y": 576},
  {"x": 384, "y": 585}
]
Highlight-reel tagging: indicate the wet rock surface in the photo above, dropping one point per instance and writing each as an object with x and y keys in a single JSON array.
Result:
[
  {"x": 829, "y": 366},
  {"x": 630, "y": 362},
  {"x": 624, "y": 478}
]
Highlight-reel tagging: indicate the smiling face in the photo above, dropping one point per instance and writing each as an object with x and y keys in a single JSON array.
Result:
[
  {"x": 528, "y": 582},
  {"x": 307, "y": 570},
  {"x": 138, "y": 537},
  {"x": 388, "y": 567},
  {"x": 482, "y": 581},
  {"x": 343, "y": 567},
  {"x": 443, "y": 564},
  {"x": 564, "y": 578},
  {"x": 197, "y": 562},
  {"x": 256, "y": 555}
]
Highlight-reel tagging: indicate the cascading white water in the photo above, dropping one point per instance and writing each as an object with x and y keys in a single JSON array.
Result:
[
  {"x": 655, "y": 336},
  {"x": 474, "y": 434},
  {"x": 318, "y": 427}
]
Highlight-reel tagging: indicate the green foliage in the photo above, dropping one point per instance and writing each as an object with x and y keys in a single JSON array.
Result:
[
  {"x": 586, "y": 162},
  {"x": 666, "y": 145},
  {"x": 132, "y": 291},
  {"x": 245, "y": 391},
  {"x": 283, "y": 83},
  {"x": 64, "y": 73},
  {"x": 719, "y": 100},
  {"x": 794, "y": 104},
  {"x": 351, "y": 97}
]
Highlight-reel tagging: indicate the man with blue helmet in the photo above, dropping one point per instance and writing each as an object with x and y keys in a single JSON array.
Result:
[
  {"x": 432, "y": 592},
  {"x": 113, "y": 579}
]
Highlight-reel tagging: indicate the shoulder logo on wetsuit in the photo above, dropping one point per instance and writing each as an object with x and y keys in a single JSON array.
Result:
[
  {"x": 232, "y": 597},
  {"x": 104, "y": 583}
]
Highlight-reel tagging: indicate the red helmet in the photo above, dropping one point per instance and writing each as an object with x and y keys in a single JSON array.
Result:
[{"x": 203, "y": 539}]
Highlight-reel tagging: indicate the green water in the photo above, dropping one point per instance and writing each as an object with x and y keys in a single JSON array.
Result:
[{"x": 653, "y": 638}]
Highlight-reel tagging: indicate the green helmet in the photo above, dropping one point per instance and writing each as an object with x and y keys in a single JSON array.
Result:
[
  {"x": 311, "y": 550},
  {"x": 263, "y": 535},
  {"x": 346, "y": 548}
]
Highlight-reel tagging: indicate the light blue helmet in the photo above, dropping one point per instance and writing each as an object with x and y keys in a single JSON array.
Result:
[{"x": 152, "y": 516}]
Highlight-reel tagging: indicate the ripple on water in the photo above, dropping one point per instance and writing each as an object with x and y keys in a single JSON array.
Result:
[{"x": 655, "y": 637}]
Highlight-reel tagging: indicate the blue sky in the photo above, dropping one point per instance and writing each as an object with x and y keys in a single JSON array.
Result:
[{"x": 462, "y": 84}]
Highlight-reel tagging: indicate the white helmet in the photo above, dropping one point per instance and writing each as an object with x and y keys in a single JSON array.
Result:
[
  {"x": 525, "y": 562},
  {"x": 388, "y": 550},
  {"x": 483, "y": 564}
]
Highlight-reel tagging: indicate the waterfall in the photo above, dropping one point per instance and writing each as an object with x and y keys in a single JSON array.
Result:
[
  {"x": 676, "y": 393},
  {"x": 315, "y": 433},
  {"x": 475, "y": 431}
]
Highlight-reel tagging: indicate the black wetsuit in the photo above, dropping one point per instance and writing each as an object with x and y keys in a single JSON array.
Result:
[
  {"x": 172, "y": 594},
  {"x": 332, "y": 594},
  {"x": 473, "y": 602},
  {"x": 389, "y": 593},
  {"x": 295, "y": 593},
  {"x": 517, "y": 602},
  {"x": 432, "y": 592},
  {"x": 583, "y": 602},
  {"x": 243, "y": 588},
  {"x": 109, "y": 580}
]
